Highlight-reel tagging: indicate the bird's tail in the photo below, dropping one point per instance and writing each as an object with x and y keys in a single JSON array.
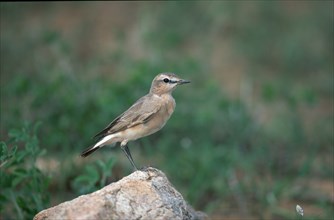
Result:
[
  {"x": 97, "y": 146},
  {"x": 89, "y": 151}
]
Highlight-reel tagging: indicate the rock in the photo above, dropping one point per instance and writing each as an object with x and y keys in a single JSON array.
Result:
[{"x": 141, "y": 195}]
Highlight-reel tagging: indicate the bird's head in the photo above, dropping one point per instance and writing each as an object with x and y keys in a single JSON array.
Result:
[{"x": 166, "y": 83}]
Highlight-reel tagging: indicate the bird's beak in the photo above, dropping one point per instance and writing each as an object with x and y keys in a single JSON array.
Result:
[{"x": 182, "y": 81}]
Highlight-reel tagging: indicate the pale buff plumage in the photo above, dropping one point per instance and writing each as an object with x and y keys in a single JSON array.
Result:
[{"x": 146, "y": 116}]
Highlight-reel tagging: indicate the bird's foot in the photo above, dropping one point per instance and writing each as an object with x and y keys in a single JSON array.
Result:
[{"x": 145, "y": 168}]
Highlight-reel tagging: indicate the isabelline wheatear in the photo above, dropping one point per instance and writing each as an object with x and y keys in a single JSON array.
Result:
[{"x": 146, "y": 116}]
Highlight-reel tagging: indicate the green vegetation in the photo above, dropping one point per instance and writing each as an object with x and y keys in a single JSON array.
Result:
[
  {"x": 22, "y": 183},
  {"x": 92, "y": 179},
  {"x": 251, "y": 136}
]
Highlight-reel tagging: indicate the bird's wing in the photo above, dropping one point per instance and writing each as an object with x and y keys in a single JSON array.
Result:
[{"x": 138, "y": 113}]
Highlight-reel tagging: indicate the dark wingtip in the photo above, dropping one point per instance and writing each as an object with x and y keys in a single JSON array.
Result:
[{"x": 88, "y": 151}]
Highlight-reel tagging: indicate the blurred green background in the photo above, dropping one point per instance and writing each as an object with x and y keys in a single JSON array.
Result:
[{"x": 251, "y": 136}]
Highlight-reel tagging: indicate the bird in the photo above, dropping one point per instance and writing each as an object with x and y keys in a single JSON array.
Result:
[{"x": 145, "y": 117}]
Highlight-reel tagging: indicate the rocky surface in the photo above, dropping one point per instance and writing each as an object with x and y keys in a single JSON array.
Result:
[{"x": 141, "y": 195}]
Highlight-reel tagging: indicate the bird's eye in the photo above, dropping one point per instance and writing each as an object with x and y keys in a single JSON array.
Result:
[{"x": 166, "y": 80}]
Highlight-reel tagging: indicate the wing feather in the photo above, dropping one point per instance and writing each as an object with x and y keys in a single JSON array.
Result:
[{"x": 138, "y": 113}]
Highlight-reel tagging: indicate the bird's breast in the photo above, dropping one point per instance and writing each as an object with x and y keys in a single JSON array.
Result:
[
  {"x": 169, "y": 106},
  {"x": 162, "y": 116}
]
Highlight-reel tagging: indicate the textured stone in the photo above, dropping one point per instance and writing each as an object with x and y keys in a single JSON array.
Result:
[{"x": 141, "y": 195}]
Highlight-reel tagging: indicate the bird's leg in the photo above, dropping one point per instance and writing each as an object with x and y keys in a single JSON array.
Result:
[{"x": 128, "y": 155}]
